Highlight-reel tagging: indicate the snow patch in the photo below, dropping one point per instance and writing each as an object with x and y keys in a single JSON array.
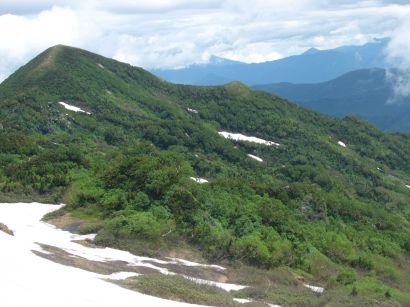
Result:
[
  {"x": 255, "y": 157},
  {"x": 100, "y": 65},
  {"x": 154, "y": 267},
  {"x": 247, "y": 301},
  {"x": 241, "y": 137},
  {"x": 89, "y": 236},
  {"x": 21, "y": 268},
  {"x": 73, "y": 108},
  {"x": 223, "y": 286},
  {"x": 121, "y": 275},
  {"x": 192, "y": 110},
  {"x": 190, "y": 263},
  {"x": 242, "y": 300},
  {"x": 199, "y": 180},
  {"x": 341, "y": 144},
  {"x": 315, "y": 288},
  {"x": 30, "y": 280},
  {"x": 407, "y": 186}
]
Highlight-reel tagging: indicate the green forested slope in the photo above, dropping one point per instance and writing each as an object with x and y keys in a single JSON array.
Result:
[{"x": 340, "y": 214}]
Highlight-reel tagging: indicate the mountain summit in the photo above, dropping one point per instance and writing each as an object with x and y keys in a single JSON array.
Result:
[{"x": 63, "y": 73}]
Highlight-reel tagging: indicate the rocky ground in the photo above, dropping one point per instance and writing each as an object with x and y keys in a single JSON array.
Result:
[{"x": 5, "y": 229}]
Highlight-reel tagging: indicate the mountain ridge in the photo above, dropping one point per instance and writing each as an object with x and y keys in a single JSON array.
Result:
[{"x": 365, "y": 93}]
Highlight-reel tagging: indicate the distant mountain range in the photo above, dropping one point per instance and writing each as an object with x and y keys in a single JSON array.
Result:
[
  {"x": 366, "y": 93},
  {"x": 311, "y": 66}
]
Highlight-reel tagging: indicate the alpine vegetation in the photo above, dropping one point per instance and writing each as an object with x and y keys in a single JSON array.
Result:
[{"x": 251, "y": 182}]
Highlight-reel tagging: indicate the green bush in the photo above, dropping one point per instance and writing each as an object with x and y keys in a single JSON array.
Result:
[
  {"x": 142, "y": 225},
  {"x": 252, "y": 250},
  {"x": 346, "y": 276},
  {"x": 214, "y": 238},
  {"x": 113, "y": 200},
  {"x": 178, "y": 288}
]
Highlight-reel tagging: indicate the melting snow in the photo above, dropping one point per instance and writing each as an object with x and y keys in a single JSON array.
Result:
[
  {"x": 314, "y": 288},
  {"x": 73, "y": 108},
  {"x": 29, "y": 280},
  {"x": 100, "y": 65},
  {"x": 341, "y": 144},
  {"x": 89, "y": 237},
  {"x": 192, "y": 110},
  {"x": 246, "y": 301},
  {"x": 190, "y": 263},
  {"x": 121, "y": 275},
  {"x": 45, "y": 282},
  {"x": 199, "y": 180},
  {"x": 242, "y": 300},
  {"x": 407, "y": 186},
  {"x": 255, "y": 157},
  {"x": 224, "y": 286},
  {"x": 241, "y": 137}
]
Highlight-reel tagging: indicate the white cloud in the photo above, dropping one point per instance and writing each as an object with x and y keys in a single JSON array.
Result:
[
  {"x": 399, "y": 46},
  {"x": 118, "y": 6},
  {"x": 175, "y": 33},
  {"x": 398, "y": 52},
  {"x": 26, "y": 36}
]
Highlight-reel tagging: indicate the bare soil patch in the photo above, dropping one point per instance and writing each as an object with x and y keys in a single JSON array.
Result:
[{"x": 5, "y": 229}]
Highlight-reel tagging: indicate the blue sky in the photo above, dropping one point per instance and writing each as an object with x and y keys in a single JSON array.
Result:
[{"x": 176, "y": 33}]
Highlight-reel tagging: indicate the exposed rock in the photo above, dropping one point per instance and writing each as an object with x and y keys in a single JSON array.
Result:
[
  {"x": 63, "y": 257},
  {"x": 5, "y": 229},
  {"x": 66, "y": 222}
]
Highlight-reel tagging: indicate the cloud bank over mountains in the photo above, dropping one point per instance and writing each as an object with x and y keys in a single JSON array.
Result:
[
  {"x": 398, "y": 52},
  {"x": 176, "y": 33}
]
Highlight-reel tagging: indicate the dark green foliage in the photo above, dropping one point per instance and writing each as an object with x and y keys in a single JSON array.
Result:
[
  {"x": 138, "y": 225},
  {"x": 251, "y": 249},
  {"x": 354, "y": 292}
]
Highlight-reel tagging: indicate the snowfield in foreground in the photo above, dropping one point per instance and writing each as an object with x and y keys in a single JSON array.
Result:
[
  {"x": 241, "y": 137},
  {"x": 30, "y": 280},
  {"x": 73, "y": 108}
]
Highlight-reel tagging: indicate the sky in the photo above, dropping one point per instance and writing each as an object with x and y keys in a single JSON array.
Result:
[{"x": 177, "y": 33}]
